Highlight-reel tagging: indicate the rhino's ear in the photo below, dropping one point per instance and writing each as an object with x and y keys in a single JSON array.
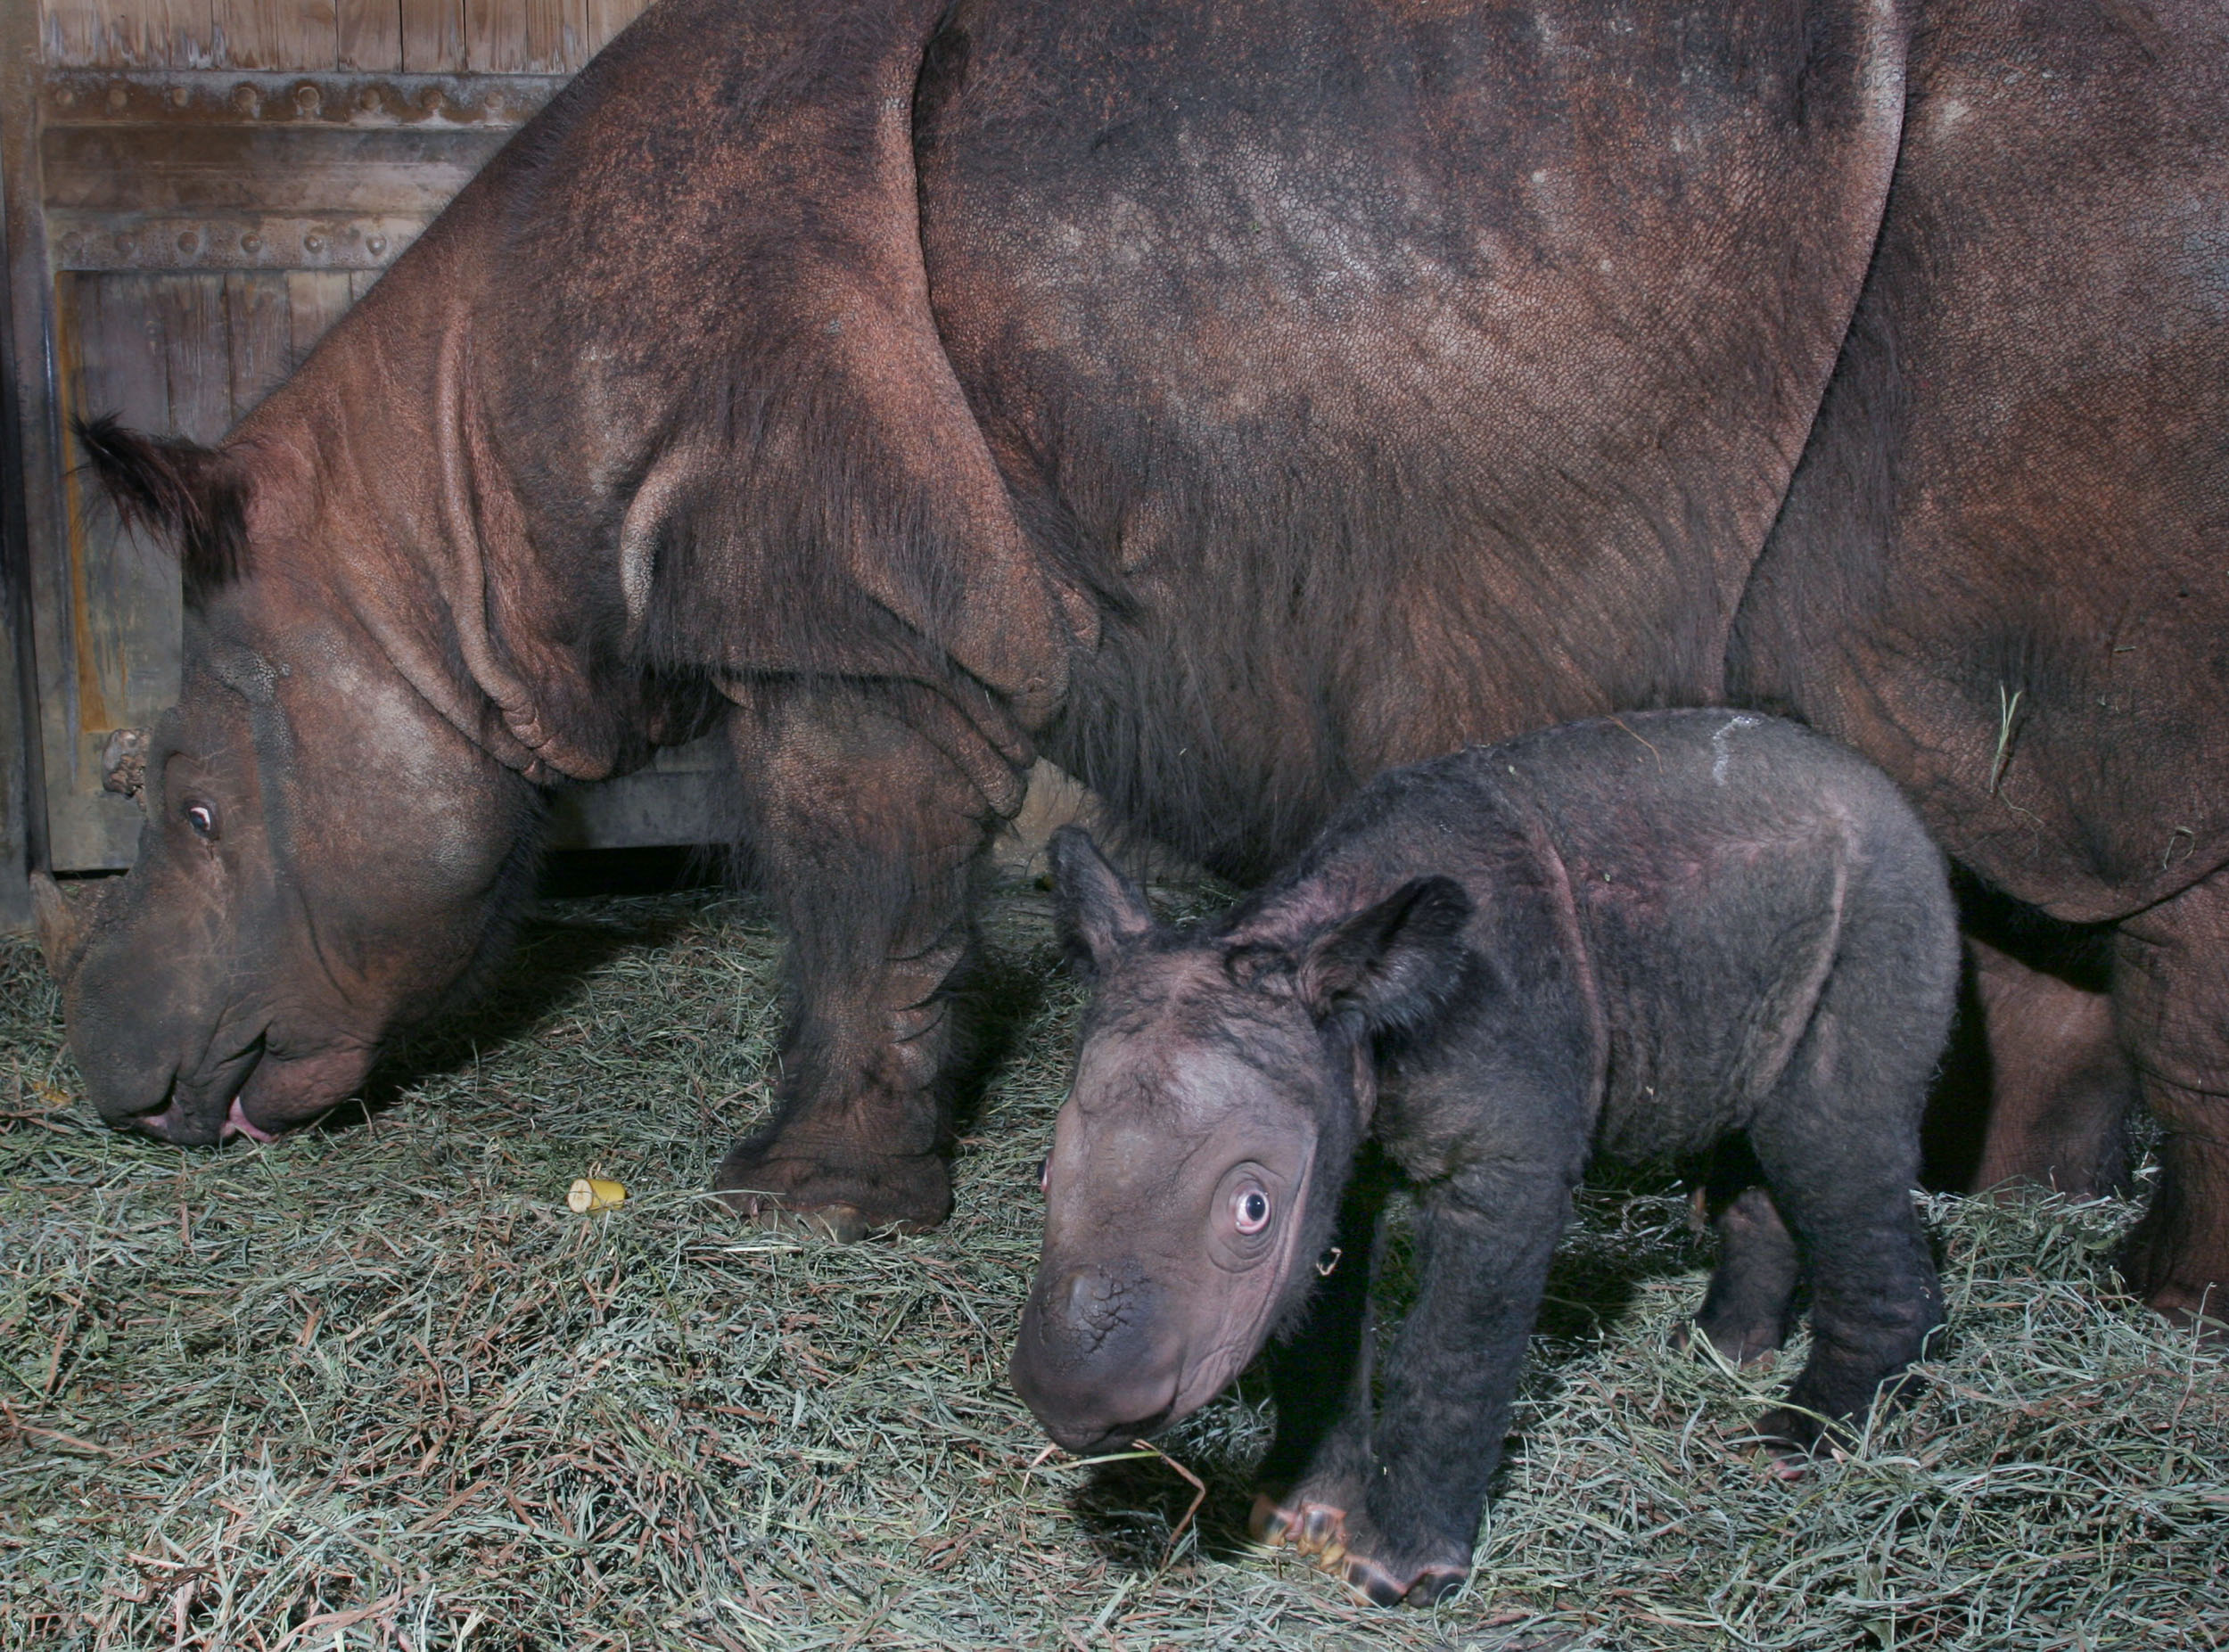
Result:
[
  {"x": 1098, "y": 910},
  {"x": 194, "y": 499},
  {"x": 1394, "y": 963}
]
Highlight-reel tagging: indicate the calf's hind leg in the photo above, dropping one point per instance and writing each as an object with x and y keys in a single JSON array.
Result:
[
  {"x": 1747, "y": 1311},
  {"x": 865, "y": 811},
  {"x": 1838, "y": 1142}
]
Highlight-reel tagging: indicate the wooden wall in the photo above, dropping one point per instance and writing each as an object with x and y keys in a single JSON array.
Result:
[
  {"x": 373, "y": 37},
  {"x": 195, "y": 190}
]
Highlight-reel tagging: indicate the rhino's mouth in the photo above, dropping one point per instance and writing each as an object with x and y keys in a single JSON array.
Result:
[
  {"x": 259, "y": 1093},
  {"x": 1093, "y": 1438}
]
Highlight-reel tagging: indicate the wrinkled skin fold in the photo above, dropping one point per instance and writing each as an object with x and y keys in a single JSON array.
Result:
[{"x": 1229, "y": 403}]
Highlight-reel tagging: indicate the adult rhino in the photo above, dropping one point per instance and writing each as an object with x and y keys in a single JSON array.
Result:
[{"x": 1227, "y": 401}]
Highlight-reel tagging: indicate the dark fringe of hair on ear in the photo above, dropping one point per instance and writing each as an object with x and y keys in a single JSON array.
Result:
[{"x": 190, "y": 496}]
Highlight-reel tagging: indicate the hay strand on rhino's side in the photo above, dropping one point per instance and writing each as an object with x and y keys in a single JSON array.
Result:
[
  {"x": 380, "y": 1382},
  {"x": 2008, "y": 714}
]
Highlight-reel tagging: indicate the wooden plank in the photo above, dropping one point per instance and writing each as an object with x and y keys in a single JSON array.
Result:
[
  {"x": 523, "y": 37},
  {"x": 181, "y": 34},
  {"x": 315, "y": 299},
  {"x": 432, "y": 37},
  {"x": 259, "y": 338},
  {"x": 74, "y": 33},
  {"x": 553, "y": 35},
  {"x": 282, "y": 35},
  {"x": 603, "y": 18},
  {"x": 370, "y": 34},
  {"x": 127, "y": 34},
  {"x": 269, "y": 169},
  {"x": 495, "y": 36},
  {"x": 192, "y": 326},
  {"x": 152, "y": 350}
]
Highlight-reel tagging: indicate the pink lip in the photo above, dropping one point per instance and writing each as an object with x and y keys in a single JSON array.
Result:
[{"x": 238, "y": 1124}]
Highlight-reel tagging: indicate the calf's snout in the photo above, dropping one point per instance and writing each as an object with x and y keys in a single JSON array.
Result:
[{"x": 1087, "y": 1362}]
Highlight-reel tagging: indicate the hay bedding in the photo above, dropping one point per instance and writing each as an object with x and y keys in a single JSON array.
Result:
[{"x": 377, "y": 1387}]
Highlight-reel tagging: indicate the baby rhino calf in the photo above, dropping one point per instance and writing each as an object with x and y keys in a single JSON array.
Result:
[{"x": 1664, "y": 935}]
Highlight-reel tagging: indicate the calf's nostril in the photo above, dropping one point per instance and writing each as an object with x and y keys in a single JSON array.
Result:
[{"x": 1087, "y": 1297}]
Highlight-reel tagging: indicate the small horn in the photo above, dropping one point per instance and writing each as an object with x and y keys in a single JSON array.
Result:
[{"x": 60, "y": 926}]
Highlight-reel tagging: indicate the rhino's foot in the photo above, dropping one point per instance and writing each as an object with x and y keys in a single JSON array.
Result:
[
  {"x": 2201, "y": 1308},
  {"x": 841, "y": 1197},
  {"x": 1348, "y": 1547},
  {"x": 2159, "y": 1263}
]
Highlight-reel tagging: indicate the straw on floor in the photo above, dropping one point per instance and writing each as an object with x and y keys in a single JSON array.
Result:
[{"x": 377, "y": 1387}]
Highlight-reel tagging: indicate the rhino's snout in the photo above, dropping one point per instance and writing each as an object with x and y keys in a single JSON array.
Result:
[{"x": 1086, "y": 1365}]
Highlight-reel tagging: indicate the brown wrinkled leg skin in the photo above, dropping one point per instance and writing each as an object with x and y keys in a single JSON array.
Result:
[
  {"x": 2171, "y": 994},
  {"x": 864, "y": 831},
  {"x": 2060, "y": 1085}
]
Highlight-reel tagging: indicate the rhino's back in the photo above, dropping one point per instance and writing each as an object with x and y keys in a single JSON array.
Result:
[{"x": 1390, "y": 369}]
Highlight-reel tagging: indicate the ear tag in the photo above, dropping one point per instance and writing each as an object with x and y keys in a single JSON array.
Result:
[{"x": 1329, "y": 1260}]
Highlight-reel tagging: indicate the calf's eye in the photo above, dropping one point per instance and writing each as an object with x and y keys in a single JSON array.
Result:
[
  {"x": 1250, "y": 1210},
  {"x": 201, "y": 817}
]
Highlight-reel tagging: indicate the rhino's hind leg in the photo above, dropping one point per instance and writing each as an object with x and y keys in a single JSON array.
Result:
[
  {"x": 2171, "y": 996},
  {"x": 2061, "y": 1085},
  {"x": 864, "y": 833}
]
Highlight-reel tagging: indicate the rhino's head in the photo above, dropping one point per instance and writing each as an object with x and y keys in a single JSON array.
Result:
[
  {"x": 1223, "y": 1083},
  {"x": 325, "y": 853}
]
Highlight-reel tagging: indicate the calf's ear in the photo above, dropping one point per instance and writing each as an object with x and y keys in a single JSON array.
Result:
[
  {"x": 1097, "y": 911},
  {"x": 1394, "y": 963}
]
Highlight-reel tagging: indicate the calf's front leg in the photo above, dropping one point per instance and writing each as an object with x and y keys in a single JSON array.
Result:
[
  {"x": 1482, "y": 1253},
  {"x": 865, "y": 809},
  {"x": 1319, "y": 1462}
]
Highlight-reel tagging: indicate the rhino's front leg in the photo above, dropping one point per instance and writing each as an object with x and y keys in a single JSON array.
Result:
[
  {"x": 1318, "y": 1461},
  {"x": 1483, "y": 1251},
  {"x": 865, "y": 809}
]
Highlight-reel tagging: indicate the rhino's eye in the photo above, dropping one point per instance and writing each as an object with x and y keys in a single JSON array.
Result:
[
  {"x": 1045, "y": 1174},
  {"x": 201, "y": 817},
  {"x": 1250, "y": 1210}
]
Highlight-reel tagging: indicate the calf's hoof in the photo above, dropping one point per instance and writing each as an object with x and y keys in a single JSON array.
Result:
[
  {"x": 1738, "y": 1345},
  {"x": 1794, "y": 1439},
  {"x": 840, "y": 1199},
  {"x": 1350, "y": 1549},
  {"x": 1309, "y": 1528}
]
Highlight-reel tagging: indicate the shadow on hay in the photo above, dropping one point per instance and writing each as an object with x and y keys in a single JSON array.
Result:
[
  {"x": 999, "y": 1001},
  {"x": 548, "y": 965},
  {"x": 554, "y": 958}
]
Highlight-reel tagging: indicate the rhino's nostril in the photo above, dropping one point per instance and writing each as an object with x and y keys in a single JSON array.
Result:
[{"x": 159, "y": 1122}]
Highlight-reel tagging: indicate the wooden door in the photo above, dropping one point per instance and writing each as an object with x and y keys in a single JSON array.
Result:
[{"x": 195, "y": 190}]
